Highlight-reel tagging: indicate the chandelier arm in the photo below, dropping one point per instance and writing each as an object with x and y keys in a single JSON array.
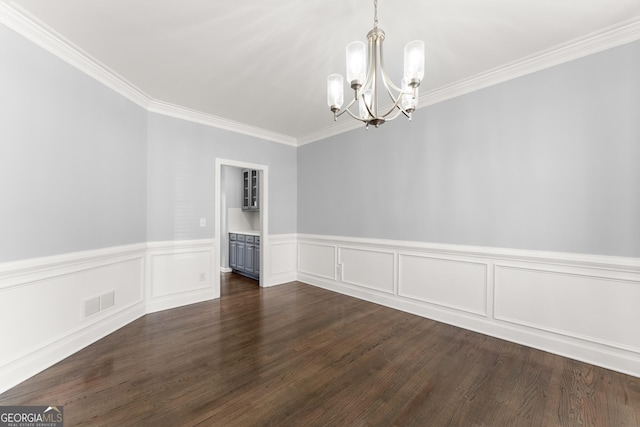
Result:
[
  {"x": 345, "y": 109},
  {"x": 396, "y": 100},
  {"x": 349, "y": 105},
  {"x": 398, "y": 111},
  {"x": 355, "y": 117},
  {"x": 395, "y": 105},
  {"x": 390, "y": 92}
]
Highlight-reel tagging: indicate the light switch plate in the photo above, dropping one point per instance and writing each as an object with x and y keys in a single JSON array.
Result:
[{"x": 203, "y": 222}]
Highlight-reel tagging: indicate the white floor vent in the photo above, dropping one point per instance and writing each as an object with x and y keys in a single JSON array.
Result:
[{"x": 97, "y": 304}]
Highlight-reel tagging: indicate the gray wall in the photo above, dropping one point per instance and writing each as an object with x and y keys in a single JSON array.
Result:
[
  {"x": 181, "y": 177},
  {"x": 72, "y": 157},
  {"x": 81, "y": 167},
  {"x": 549, "y": 161}
]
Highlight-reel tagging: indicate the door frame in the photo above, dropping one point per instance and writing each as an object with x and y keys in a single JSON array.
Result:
[{"x": 264, "y": 219}]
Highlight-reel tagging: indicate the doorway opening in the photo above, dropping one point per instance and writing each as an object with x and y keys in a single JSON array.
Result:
[{"x": 222, "y": 219}]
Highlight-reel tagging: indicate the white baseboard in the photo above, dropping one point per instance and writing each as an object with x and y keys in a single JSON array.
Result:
[
  {"x": 179, "y": 300},
  {"x": 144, "y": 278},
  {"x": 42, "y": 308},
  {"x": 19, "y": 370},
  {"x": 578, "y": 306}
]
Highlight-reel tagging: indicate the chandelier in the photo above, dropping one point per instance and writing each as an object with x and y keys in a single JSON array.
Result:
[{"x": 367, "y": 77}]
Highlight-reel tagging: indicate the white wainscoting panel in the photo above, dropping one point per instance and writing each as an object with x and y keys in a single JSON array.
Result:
[
  {"x": 368, "y": 268},
  {"x": 585, "y": 307},
  {"x": 588, "y": 304},
  {"x": 317, "y": 260},
  {"x": 451, "y": 283},
  {"x": 283, "y": 249},
  {"x": 42, "y": 306},
  {"x": 179, "y": 273}
]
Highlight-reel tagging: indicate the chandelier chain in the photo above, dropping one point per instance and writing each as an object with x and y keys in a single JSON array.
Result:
[{"x": 375, "y": 13}]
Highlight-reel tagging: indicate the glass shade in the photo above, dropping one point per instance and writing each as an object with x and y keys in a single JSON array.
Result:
[
  {"x": 365, "y": 98},
  {"x": 409, "y": 101},
  {"x": 414, "y": 62},
  {"x": 335, "y": 91},
  {"x": 356, "y": 62}
]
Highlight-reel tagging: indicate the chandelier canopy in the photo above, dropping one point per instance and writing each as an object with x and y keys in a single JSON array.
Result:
[{"x": 367, "y": 76}]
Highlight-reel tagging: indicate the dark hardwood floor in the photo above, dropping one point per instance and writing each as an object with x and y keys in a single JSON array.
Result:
[{"x": 297, "y": 355}]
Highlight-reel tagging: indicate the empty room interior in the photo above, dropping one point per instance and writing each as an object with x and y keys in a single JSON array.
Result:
[{"x": 251, "y": 213}]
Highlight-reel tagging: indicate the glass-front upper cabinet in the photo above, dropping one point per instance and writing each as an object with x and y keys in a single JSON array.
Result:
[{"x": 250, "y": 190}]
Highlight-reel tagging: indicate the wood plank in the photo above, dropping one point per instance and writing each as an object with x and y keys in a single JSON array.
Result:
[{"x": 299, "y": 355}]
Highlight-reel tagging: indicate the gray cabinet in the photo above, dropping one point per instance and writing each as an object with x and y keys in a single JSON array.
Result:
[
  {"x": 250, "y": 190},
  {"x": 244, "y": 254}
]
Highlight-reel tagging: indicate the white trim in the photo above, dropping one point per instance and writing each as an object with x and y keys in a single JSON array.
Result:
[
  {"x": 176, "y": 300},
  {"x": 606, "y": 38},
  {"x": 172, "y": 110},
  {"x": 15, "y": 273},
  {"x": 66, "y": 267},
  {"x": 20, "y": 21},
  {"x": 559, "y": 258},
  {"x": 485, "y": 283},
  {"x": 283, "y": 259},
  {"x": 265, "y": 256},
  {"x": 499, "y": 305},
  {"x": 167, "y": 256},
  {"x": 19, "y": 370},
  {"x": 65, "y": 273}
]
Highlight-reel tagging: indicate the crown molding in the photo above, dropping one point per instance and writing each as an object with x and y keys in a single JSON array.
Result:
[
  {"x": 606, "y": 38},
  {"x": 178, "y": 112},
  {"x": 336, "y": 129},
  {"x": 20, "y": 21}
]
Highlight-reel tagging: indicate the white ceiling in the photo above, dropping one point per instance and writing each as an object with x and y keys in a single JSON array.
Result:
[{"x": 264, "y": 63}]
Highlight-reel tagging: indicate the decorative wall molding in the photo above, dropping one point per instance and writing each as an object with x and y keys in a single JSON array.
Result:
[
  {"x": 370, "y": 268},
  {"x": 453, "y": 283},
  {"x": 16, "y": 272},
  {"x": 146, "y": 277},
  {"x": 283, "y": 259},
  {"x": 178, "y": 273},
  {"x": 46, "y": 297},
  {"x": 19, "y": 20},
  {"x": 579, "y": 306},
  {"x": 318, "y": 259}
]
